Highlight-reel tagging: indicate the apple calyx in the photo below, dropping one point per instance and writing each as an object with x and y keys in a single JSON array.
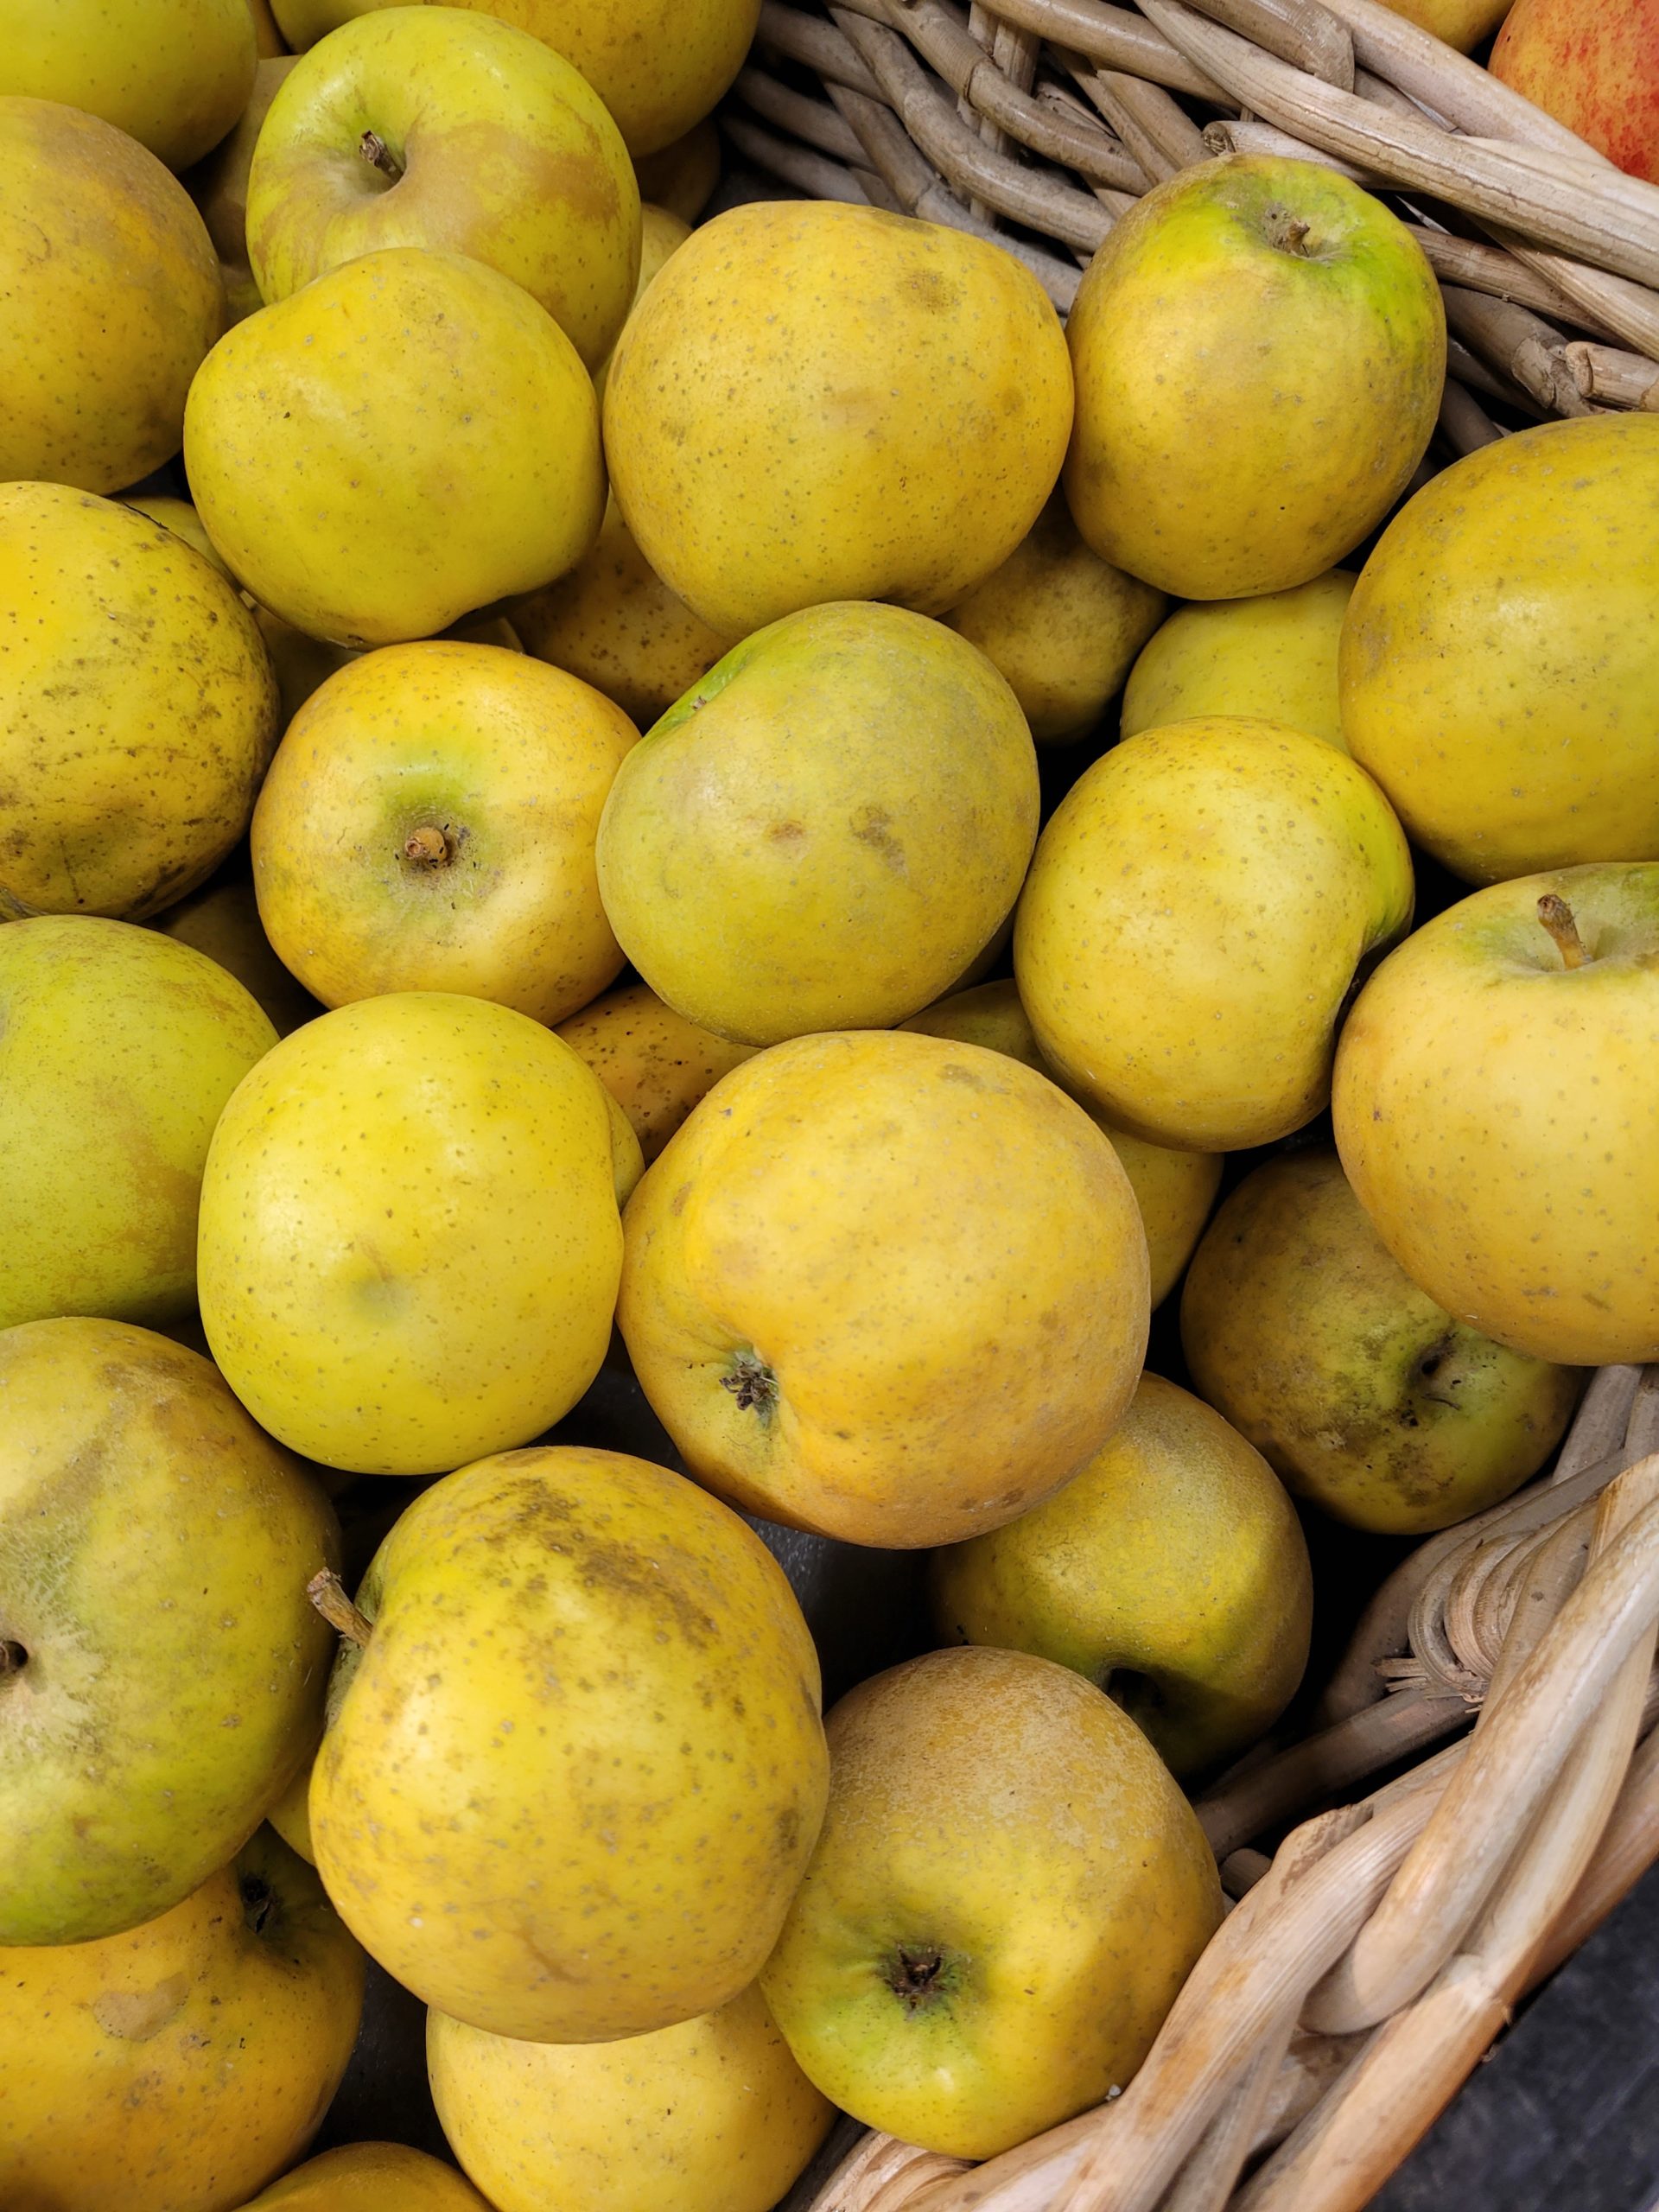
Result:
[
  {"x": 918, "y": 1974},
  {"x": 373, "y": 149},
  {"x": 14, "y": 1657},
  {"x": 428, "y": 847},
  {"x": 1557, "y": 917},
  {"x": 328, "y": 1594},
  {"x": 257, "y": 1903},
  {"x": 1286, "y": 231},
  {"x": 752, "y": 1383}
]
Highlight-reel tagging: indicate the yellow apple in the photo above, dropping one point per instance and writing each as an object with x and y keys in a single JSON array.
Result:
[
  {"x": 291, "y": 1816},
  {"x": 681, "y": 176},
  {"x": 770, "y": 451},
  {"x": 370, "y": 2177},
  {"x": 186, "y": 2063},
  {"x": 442, "y": 127},
  {"x": 410, "y": 1241},
  {"x": 654, "y": 1063},
  {"x": 118, "y": 1052},
  {"x": 1061, "y": 624},
  {"x": 444, "y": 418},
  {"x": 1496, "y": 1115},
  {"x": 614, "y": 623},
  {"x": 660, "y": 66},
  {"x": 162, "y": 1671},
  {"x": 219, "y": 187},
  {"x": 1173, "y": 1190},
  {"x": 1259, "y": 349},
  {"x": 1274, "y": 657},
  {"x": 825, "y": 831},
  {"x": 1199, "y": 907},
  {"x": 568, "y": 1786},
  {"x": 1461, "y": 23},
  {"x": 710, "y": 2116},
  {"x": 889, "y": 1287},
  {"x": 112, "y": 296},
  {"x": 1008, "y": 1892},
  {"x": 1500, "y": 670},
  {"x": 428, "y": 824},
  {"x": 137, "y": 709},
  {"x": 222, "y": 920},
  {"x": 1367, "y": 1397},
  {"x": 267, "y": 37},
  {"x": 173, "y": 74},
  {"x": 1173, "y": 1572}
]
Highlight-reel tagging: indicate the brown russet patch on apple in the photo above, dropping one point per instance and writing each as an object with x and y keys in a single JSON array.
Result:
[
  {"x": 554, "y": 1520},
  {"x": 135, "y": 2015}
]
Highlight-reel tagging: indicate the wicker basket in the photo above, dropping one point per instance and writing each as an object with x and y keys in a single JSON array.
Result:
[
  {"x": 1039, "y": 123},
  {"x": 1369, "y": 1962}
]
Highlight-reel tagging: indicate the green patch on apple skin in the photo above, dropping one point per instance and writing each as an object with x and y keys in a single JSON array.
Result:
[{"x": 709, "y": 686}]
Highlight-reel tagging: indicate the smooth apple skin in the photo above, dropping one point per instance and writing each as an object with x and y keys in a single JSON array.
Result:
[
  {"x": 660, "y": 66},
  {"x": 1594, "y": 68},
  {"x": 710, "y": 2116},
  {"x": 505, "y": 154},
  {"x": 1173, "y": 1190},
  {"x": 185, "y": 2063},
  {"x": 1171, "y": 1571},
  {"x": 1499, "y": 665},
  {"x": 173, "y": 74},
  {"x": 1008, "y": 1892},
  {"x": 444, "y": 422},
  {"x": 1275, "y": 657},
  {"x": 568, "y": 1788},
  {"x": 112, "y": 299},
  {"x": 787, "y": 410},
  {"x": 1259, "y": 349},
  {"x": 370, "y": 2177},
  {"x": 1496, "y": 1115},
  {"x": 158, "y": 1549},
  {"x": 1197, "y": 908},
  {"x": 503, "y": 765},
  {"x": 888, "y": 1287},
  {"x": 1367, "y": 1397}
]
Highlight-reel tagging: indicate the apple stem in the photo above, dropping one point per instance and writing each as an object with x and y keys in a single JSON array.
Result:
[
  {"x": 375, "y": 151},
  {"x": 328, "y": 1594},
  {"x": 1557, "y": 917},
  {"x": 1287, "y": 232},
  {"x": 428, "y": 848}
]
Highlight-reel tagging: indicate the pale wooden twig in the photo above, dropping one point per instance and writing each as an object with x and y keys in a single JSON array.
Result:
[
  {"x": 792, "y": 163},
  {"x": 818, "y": 44},
  {"x": 1230, "y": 134},
  {"x": 1300, "y": 32},
  {"x": 1465, "y": 423},
  {"x": 1114, "y": 38},
  {"x": 813, "y": 121},
  {"x": 1158, "y": 132}
]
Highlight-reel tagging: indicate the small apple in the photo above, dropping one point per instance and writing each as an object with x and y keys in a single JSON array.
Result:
[
  {"x": 710, "y": 2116},
  {"x": 788, "y": 408},
  {"x": 660, "y": 235},
  {"x": 1008, "y": 1892},
  {"x": 446, "y": 422},
  {"x": 186, "y": 2063},
  {"x": 1061, "y": 624},
  {"x": 1367, "y": 1397},
  {"x": 409, "y": 1242},
  {"x": 370, "y": 2177},
  {"x": 1173, "y": 1572},
  {"x": 1500, "y": 662},
  {"x": 119, "y": 1050},
  {"x": 1199, "y": 905},
  {"x": 1259, "y": 349},
  {"x": 570, "y": 1781},
  {"x": 158, "y": 1549},
  {"x": 428, "y": 824},
  {"x": 1595, "y": 68},
  {"x": 112, "y": 295},
  {"x": 888, "y": 1287},
  {"x": 219, "y": 187},
  {"x": 1497, "y": 1114},
  {"x": 1274, "y": 657},
  {"x": 825, "y": 831},
  {"x": 442, "y": 127},
  {"x": 681, "y": 176},
  {"x": 1173, "y": 1190},
  {"x": 654, "y": 1063},
  {"x": 222, "y": 920},
  {"x": 173, "y": 74}
]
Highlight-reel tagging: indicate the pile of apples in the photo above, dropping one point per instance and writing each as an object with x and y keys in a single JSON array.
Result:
[{"x": 335, "y": 1150}]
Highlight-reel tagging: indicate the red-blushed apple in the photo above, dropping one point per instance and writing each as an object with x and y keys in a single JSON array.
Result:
[
  {"x": 1496, "y": 1113},
  {"x": 1594, "y": 65},
  {"x": 1008, "y": 1892},
  {"x": 442, "y": 127}
]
